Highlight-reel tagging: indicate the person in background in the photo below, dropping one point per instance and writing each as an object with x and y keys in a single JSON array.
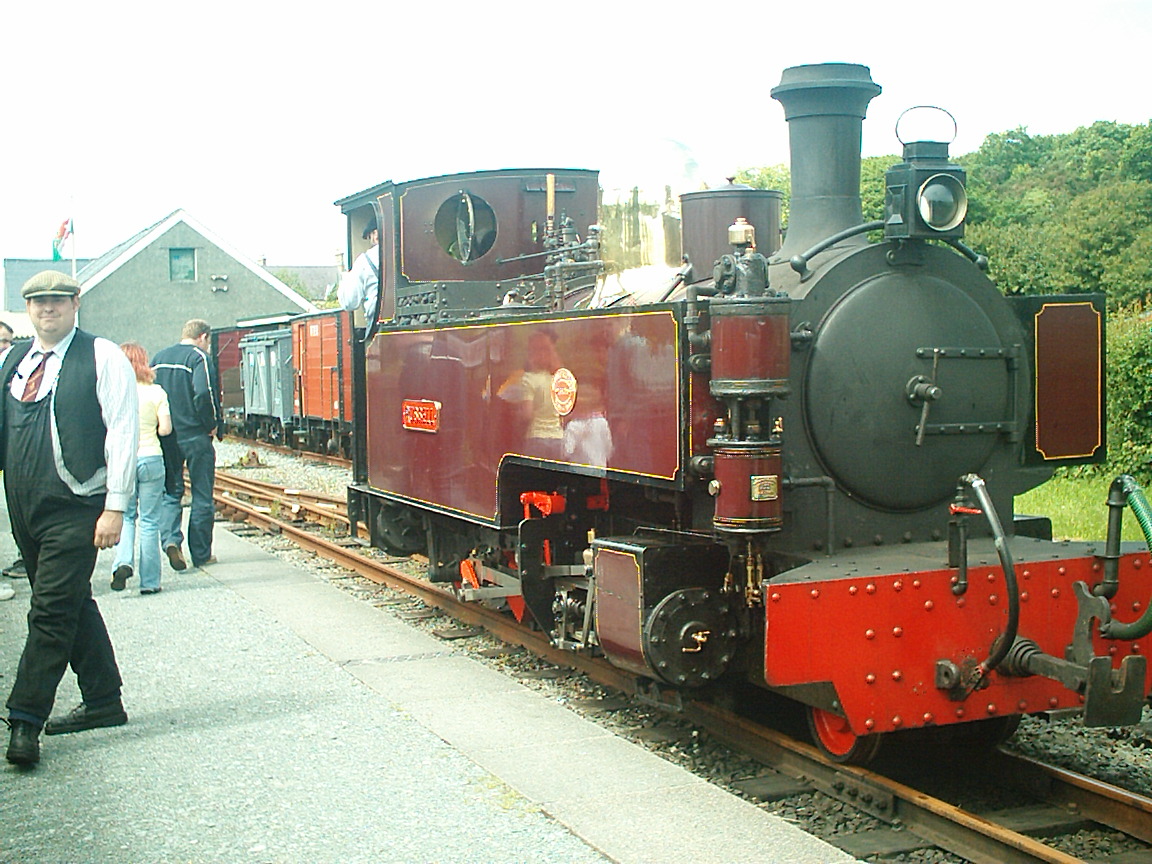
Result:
[
  {"x": 360, "y": 286},
  {"x": 7, "y": 592},
  {"x": 185, "y": 373},
  {"x": 147, "y": 505},
  {"x": 69, "y": 423}
]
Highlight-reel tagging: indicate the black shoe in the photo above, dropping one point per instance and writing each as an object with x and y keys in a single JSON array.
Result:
[
  {"x": 155, "y": 590},
  {"x": 24, "y": 743},
  {"x": 82, "y": 717},
  {"x": 175, "y": 557},
  {"x": 120, "y": 576},
  {"x": 15, "y": 570}
]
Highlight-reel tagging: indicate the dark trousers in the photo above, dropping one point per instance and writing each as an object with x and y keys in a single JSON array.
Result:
[
  {"x": 64, "y": 624},
  {"x": 200, "y": 457}
]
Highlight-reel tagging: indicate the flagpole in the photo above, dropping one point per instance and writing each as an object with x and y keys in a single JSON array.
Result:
[{"x": 72, "y": 225}]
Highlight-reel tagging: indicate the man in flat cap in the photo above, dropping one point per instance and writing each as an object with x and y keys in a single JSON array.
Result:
[{"x": 68, "y": 437}]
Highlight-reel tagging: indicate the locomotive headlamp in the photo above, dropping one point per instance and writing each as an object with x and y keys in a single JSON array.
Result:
[
  {"x": 942, "y": 202},
  {"x": 925, "y": 195}
]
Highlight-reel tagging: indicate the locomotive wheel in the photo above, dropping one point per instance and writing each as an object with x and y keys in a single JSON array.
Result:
[
  {"x": 401, "y": 529},
  {"x": 838, "y": 742}
]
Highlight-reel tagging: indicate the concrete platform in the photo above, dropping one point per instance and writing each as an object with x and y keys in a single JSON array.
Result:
[{"x": 274, "y": 718}]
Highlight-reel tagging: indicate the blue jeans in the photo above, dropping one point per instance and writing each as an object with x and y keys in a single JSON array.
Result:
[
  {"x": 200, "y": 457},
  {"x": 147, "y": 502}
]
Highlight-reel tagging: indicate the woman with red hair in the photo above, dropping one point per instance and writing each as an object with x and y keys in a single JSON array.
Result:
[{"x": 155, "y": 420}]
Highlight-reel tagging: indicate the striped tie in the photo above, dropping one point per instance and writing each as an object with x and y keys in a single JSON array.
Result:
[{"x": 32, "y": 387}]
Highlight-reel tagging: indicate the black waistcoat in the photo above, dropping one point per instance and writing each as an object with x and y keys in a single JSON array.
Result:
[{"x": 77, "y": 409}]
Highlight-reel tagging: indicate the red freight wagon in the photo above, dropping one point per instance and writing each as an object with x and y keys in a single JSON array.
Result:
[{"x": 322, "y": 355}]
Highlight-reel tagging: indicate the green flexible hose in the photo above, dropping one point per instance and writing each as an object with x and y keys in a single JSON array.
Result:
[{"x": 1140, "y": 508}]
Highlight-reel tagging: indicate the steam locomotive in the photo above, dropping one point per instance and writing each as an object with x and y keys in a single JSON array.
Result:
[{"x": 791, "y": 466}]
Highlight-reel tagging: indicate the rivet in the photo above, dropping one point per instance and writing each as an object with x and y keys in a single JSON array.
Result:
[
  {"x": 1061, "y": 570},
  {"x": 1055, "y": 592},
  {"x": 1053, "y": 701},
  {"x": 897, "y": 674},
  {"x": 915, "y": 583},
  {"x": 1136, "y": 606},
  {"x": 897, "y": 632},
  {"x": 954, "y": 580},
  {"x": 1112, "y": 650},
  {"x": 928, "y": 717},
  {"x": 1023, "y": 596},
  {"x": 897, "y": 721},
  {"x": 1135, "y": 647},
  {"x": 871, "y": 588},
  {"x": 960, "y": 602},
  {"x": 853, "y": 590},
  {"x": 869, "y": 633},
  {"x": 1027, "y": 574},
  {"x": 929, "y": 605},
  {"x": 959, "y": 712},
  {"x": 898, "y": 585},
  {"x": 775, "y": 596},
  {"x": 869, "y": 723},
  {"x": 991, "y": 709},
  {"x": 869, "y": 678},
  {"x": 992, "y": 598},
  {"x": 1112, "y": 607},
  {"x": 991, "y": 577},
  {"x": 1138, "y": 563},
  {"x": 1022, "y": 706},
  {"x": 815, "y": 593},
  {"x": 1096, "y": 567}
]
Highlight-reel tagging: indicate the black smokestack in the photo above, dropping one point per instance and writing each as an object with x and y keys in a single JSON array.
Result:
[{"x": 824, "y": 106}]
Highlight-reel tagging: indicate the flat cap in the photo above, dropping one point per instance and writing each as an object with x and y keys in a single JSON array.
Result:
[{"x": 50, "y": 283}]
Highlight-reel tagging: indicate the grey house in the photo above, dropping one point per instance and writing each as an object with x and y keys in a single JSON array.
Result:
[{"x": 146, "y": 288}]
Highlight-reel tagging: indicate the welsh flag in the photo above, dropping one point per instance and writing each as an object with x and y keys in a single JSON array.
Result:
[{"x": 62, "y": 234}]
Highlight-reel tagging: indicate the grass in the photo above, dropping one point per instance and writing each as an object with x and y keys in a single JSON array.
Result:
[{"x": 1077, "y": 508}]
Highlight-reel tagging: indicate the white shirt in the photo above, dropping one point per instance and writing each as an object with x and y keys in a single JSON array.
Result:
[
  {"x": 116, "y": 392},
  {"x": 359, "y": 286}
]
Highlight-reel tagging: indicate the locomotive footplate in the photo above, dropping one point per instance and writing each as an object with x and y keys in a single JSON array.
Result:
[{"x": 876, "y": 629}]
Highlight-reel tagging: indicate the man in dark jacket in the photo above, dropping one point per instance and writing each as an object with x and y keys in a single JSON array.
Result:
[
  {"x": 185, "y": 373},
  {"x": 69, "y": 428}
]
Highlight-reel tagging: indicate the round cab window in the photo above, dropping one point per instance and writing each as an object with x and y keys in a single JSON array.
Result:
[{"x": 465, "y": 227}]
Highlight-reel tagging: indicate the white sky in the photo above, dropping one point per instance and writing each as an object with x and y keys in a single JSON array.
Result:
[{"x": 254, "y": 116}]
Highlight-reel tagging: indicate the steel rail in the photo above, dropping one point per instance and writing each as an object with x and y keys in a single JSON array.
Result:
[{"x": 972, "y": 836}]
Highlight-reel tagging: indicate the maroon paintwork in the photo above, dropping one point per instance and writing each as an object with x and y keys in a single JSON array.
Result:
[
  {"x": 517, "y": 200},
  {"x": 493, "y": 385},
  {"x": 1069, "y": 339},
  {"x": 752, "y": 347}
]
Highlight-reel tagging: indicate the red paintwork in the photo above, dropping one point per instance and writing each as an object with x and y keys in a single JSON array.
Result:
[
  {"x": 628, "y": 386},
  {"x": 752, "y": 347},
  {"x": 749, "y": 476},
  {"x": 317, "y": 344},
  {"x": 228, "y": 366},
  {"x": 619, "y": 609},
  {"x": 1069, "y": 339},
  {"x": 517, "y": 197},
  {"x": 877, "y": 637}
]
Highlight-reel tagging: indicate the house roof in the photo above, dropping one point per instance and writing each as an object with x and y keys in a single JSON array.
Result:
[
  {"x": 17, "y": 271},
  {"x": 99, "y": 269}
]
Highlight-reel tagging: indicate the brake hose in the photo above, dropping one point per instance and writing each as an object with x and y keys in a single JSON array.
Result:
[
  {"x": 1125, "y": 486},
  {"x": 1004, "y": 642}
]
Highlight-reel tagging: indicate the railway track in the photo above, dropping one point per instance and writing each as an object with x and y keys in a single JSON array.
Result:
[{"x": 1057, "y": 802}]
